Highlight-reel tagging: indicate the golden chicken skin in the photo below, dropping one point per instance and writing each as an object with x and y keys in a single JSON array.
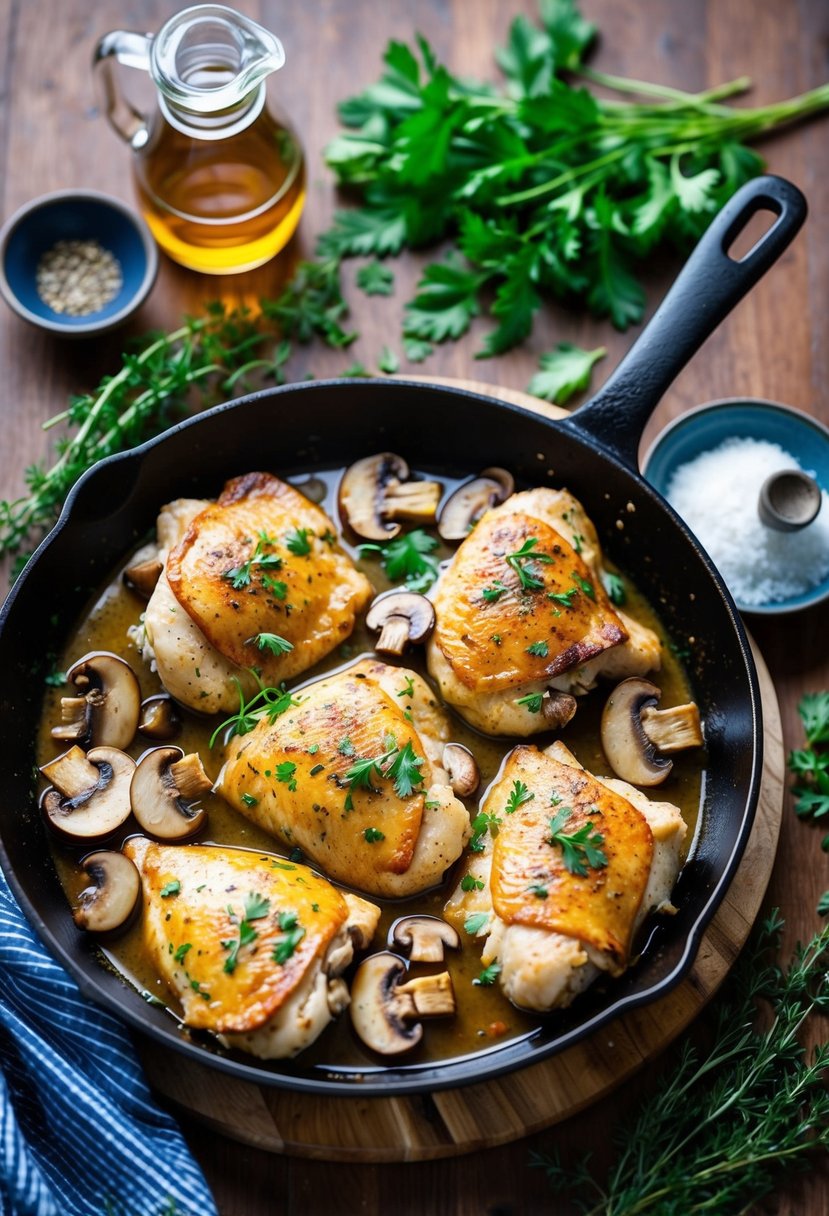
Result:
[
  {"x": 524, "y": 624},
  {"x": 253, "y": 580},
  {"x": 351, "y": 773},
  {"x": 251, "y": 945},
  {"x": 564, "y": 870}
]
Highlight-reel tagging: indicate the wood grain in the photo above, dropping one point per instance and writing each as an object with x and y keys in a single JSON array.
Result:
[{"x": 774, "y": 345}]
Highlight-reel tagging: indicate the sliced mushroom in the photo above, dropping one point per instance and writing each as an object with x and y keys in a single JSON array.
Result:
[
  {"x": 160, "y": 719},
  {"x": 377, "y": 491},
  {"x": 143, "y": 576},
  {"x": 633, "y": 732},
  {"x": 385, "y": 1013},
  {"x": 400, "y": 617},
  {"x": 464, "y": 508},
  {"x": 462, "y": 769},
  {"x": 113, "y": 898},
  {"x": 90, "y": 795},
  {"x": 105, "y": 714},
  {"x": 164, "y": 789},
  {"x": 557, "y": 708},
  {"x": 424, "y": 938}
]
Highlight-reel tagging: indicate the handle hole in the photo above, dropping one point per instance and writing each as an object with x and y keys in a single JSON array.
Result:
[{"x": 752, "y": 234}]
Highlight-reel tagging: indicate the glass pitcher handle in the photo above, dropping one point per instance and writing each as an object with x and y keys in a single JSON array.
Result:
[{"x": 131, "y": 50}]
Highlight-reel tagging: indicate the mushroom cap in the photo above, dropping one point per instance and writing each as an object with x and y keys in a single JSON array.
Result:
[
  {"x": 467, "y": 504},
  {"x": 113, "y": 694},
  {"x": 462, "y": 767},
  {"x": 379, "y": 1014},
  {"x": 404, "y": 616},
  {"x": 143, "y": 576},
  {"x": 424, "y": 938},
  {"x": 93, "y": 814},
  {"x": 629, "y": 751},
  {"x": 114, "y": 896},
  {"x": 156, "y": 800},
  {"x": 360, "y": 495},
  {"x": 160, "y": 718}
]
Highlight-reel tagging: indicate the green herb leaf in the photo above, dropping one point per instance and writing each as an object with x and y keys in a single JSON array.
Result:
[
  {"x": 564, "y": 372},
  {"x": 372, "y": 835},
  {"x": 581, "y": 849},
  {"x": 173, "y": 887},
  {"x": 446, "y": 302},
  {"x": 470, "y": 883},
  {"x": 388, "y": 361},
  {"x": 521, "y": 560},
  {"x": 407, "y": 559},
  {"x": 285, "y": 774},
  {"x": 297, "y": 541},
  {"x": 489, "y": 974},
  {"x": 538, "y": 649},
  {"x": 533, "y": 702},
  {"x": 273, "y": 643},
  {"x": 519, "y": 794},
  {"x": 375, "y": 279},
  {"x": 473, "y": 923},
  {"x": 615, "y": 587}
]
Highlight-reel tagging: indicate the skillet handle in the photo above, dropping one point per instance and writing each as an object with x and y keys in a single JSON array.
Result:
[{"x": 708, "y": 287}]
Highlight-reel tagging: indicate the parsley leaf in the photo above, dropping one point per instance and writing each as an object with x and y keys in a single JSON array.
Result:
[
  {"x": 407, "y": 558},
  {"x": 269, "y": 703},
  {"x": 519, "y": 794},
  {"x": 470, "y": 883},
  {"x": 520, "y": 560},
  {"x": 489, "y": 975},
  {"x": 297, "y": 541},
  {"x": 375, "y": 279},
  {"x": 581, "y": 849},
  {"x": 173, "y": 887},
  {"x": 615, "y": 587},
  {"x": 272, "y": 642},
  {"x": 416, "y": 350},
  {"x": 564, "y": 372},
  {"x": 292, "y": 935},
  {"x": 256, "y": 907},
  {"x": 533, "y": 702},
  {"x": 538, "y": 649},
  {"x": 285, "y": 774},
  {"x": 388, "y": 361},
  {"x": 474, "y": 923},
  {"x": 372, "y": 835},
  {"x": 446, "y": 302}
]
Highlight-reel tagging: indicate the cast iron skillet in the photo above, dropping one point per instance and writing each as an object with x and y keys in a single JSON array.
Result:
[{"x": 307, "y": 426}]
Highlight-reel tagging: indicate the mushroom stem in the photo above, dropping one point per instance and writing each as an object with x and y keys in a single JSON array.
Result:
[
  {"x": 462, "y": 769},
  {"x": 557, "y": 707},
  {"x": 394, "y": 635},
  {"x": 674, "y": 729},
  {"x": 416, "y": 501},
  {"x": 189, "y": 776},
  {"x": 432, "y": 996},
  {"x": 72, "y": 774},
  {"x": 74, "y": 712},
  {"x": 142, "y": 577}
]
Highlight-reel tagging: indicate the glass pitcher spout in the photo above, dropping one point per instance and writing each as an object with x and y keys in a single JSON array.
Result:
[{"x": 208, "y": 59}]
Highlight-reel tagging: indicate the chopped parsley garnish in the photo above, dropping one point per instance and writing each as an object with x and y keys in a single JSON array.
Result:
[
  {"x": 285, "y": 773},
  {"x": 318, "y": 768},
  {"x": 519, "y": 794},
  {"x": 494, "y": 592},
  {"x": 182, "y": 951},
  {"x": 272, "y": 642},
  {"x": 408, "y": 687},
  {"x": 170, "y": 888},
  {"x": 581, "y": 849},
  {"x": 277, "y": 588},
  {"x": 249, "y": 800},
  {"x": 565, "y": 598},
  {"x": 473, "y": 923},
  {"x": 292, "y": 935},
  {"x": 520, "y": 560},
  {"x": 585, "y": 586},
  {"x": 533, "y": 701},
  {"x": 407, "y": 559},
  {"x": 470, "y": 883},
  {"x": 239, "y": 576},
  {"x": 256, "y": 907},
  {"x": 268, "y": 703},
  {"x": 481, "y": 824},
  {"x": 399, "y": 765},
  {"x": 489, "y": 975},
  {"x": 297, "y": 542},
  {"x": 346, "y": 748},
  {"x": 578, "y": 541},
  {"x": 539, "y": 890},
  {"x": 615, "y": 588},
  {"x": 539, "y": 649},
  {"x": 496, "y": 638},
  {"x": 372, "y": 835}
]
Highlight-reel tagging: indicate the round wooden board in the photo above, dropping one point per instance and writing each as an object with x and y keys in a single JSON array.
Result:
[{"x": 450, "y": 1122}]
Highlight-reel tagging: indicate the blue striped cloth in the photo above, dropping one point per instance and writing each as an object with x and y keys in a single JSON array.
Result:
[{"x": 79, "y": 1132}]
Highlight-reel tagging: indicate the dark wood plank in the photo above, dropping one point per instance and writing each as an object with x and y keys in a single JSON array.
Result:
[{"x": 773, "y": 346}]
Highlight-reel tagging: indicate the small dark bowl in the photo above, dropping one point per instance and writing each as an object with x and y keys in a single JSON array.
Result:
[{"x": 75, "y": 215}]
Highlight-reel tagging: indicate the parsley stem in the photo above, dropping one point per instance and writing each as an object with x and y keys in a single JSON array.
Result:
[{"x": 645, "y": 88}]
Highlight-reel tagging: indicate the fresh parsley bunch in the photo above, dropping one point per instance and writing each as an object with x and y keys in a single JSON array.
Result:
[{"x": 545, "y": 189}]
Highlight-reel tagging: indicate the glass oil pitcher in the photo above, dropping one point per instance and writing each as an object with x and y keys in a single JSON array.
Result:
[{"x": 220, "y": 177}]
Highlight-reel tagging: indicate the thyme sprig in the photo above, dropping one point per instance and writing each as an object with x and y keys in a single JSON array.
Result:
[{"x": 726, "y": 1120}]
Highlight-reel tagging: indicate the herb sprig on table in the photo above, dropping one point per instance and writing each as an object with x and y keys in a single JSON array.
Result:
[
  {"x": 729, "y": 1118},
  {"x": 811, "y": 767}
]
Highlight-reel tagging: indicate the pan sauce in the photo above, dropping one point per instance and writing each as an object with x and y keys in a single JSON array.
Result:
[{"x": 484, "y": 1017}]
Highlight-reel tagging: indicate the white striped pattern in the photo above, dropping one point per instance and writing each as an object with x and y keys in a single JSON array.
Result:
[{"x": 79, "y": 1132}]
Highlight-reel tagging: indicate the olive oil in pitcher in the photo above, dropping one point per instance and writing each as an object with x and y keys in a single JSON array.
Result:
[{"x": 220, "y": 176}]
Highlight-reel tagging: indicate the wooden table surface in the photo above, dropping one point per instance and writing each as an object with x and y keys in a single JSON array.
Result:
[{"x": 774, "y": 346}]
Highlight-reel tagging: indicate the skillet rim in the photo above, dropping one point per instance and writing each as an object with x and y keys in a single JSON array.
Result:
[{"x": 404, "y": 1080}]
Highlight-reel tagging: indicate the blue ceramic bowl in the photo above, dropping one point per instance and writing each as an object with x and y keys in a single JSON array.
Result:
[
  {"x": 75, "y": 215},
  {"x": 708, "y": 426}
]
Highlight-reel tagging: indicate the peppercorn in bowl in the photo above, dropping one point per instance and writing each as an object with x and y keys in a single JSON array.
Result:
[{"x": 76, "y": 262}]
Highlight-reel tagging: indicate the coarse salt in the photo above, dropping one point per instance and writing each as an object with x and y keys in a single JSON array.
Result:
[{"x": 717, "y": 493}]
